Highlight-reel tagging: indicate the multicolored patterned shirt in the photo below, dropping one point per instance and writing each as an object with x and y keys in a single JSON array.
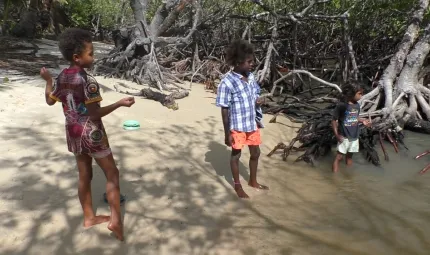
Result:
[
  {"x": 240, "y": 97},
  {"x": 74, "y": 88}
]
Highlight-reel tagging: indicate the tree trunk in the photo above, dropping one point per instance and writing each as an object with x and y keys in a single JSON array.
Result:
[
  {"x": 59, "y": 17},
  {"x": 139, "y": 8},
  {"x": 396, "y": 62},
  {"x": 404, "y": 93},
  {"x": 27, "y": 25},
  {"x": 4, "y": 5},
  {"x": 163, "y": 11},
  {"x": 136, "y": 54}
]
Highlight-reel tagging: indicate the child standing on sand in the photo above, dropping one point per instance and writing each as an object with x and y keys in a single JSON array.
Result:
[
  {"x": 345, "y": 123},
  {"x": 238, "y": 98},
  {"x": 80, "y": 96}
]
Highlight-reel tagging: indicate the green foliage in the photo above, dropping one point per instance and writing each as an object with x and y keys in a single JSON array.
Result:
[
  {"x": 85, "y": 12},
  {"x": 152, "y": 8},
  {"x": 369, "y": 19},
  {"x": 9, "y": 7}
]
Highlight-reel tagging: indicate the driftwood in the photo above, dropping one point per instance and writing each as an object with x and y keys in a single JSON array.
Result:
[
  {"x": 316, "y": 136},
  {"x": 166, "y": 100}
]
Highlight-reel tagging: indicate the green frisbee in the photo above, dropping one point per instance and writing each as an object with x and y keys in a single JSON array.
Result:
[{"x": 131, "y": 125}]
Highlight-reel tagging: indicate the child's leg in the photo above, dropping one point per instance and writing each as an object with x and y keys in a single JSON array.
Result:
[
  {"x": 336, "y": 161},
  {"x": 112, "y": 189},
  {"x": 253, "y": 165},
  {"x": 354, "y": 147},
  {"x": 84, "y": 163},
  {"x": 234, "y": 165},
  {"x": 342, "y": 149},
  {"x": 348, "y": 159}
]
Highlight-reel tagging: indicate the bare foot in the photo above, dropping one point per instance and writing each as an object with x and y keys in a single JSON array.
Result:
[
  {"x": 117, "y": 230},
  {"x": 258, "y": 186},
  {"x": 96, "y": 220},
  {"x": 240, "y": 192}
]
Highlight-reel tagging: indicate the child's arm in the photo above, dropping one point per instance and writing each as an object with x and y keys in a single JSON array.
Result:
[
  {"x": 226, "y": 123},
  {"x": 257, "y": 89},
  {"x": 335, "y": 123},
  {"x": 365, "y": 122},
  {"x": 48, "y": 92},
  {"x": 223, "y": 100},
  {"x": 49, "y": 86},
  {"x": 97, "y": 112},
  {"x": 93, "y": 97}
]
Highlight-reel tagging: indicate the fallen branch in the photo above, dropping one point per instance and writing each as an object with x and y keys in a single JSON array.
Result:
[
  {"x": 291, "y": 72},
  {"x": 166, "y": 100},
  {"x": 316, "y": 135}
]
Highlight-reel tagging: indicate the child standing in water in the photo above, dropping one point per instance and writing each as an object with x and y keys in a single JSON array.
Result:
[
  {"x": 80, "y": 96},
  {"x": 238, "y": 98},
  {"x": 345, "y": 124}
]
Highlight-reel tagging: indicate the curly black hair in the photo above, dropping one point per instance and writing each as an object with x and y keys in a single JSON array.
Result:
[
  {"x": 238, "y": 51},
  {"x": 350, "y": 88},
  {"x": 72, "y": 41}
]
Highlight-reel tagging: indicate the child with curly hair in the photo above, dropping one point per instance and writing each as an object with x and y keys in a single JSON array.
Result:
[
  {"x": 80, "y": 96},
  {"x": 238, "y": 97}
]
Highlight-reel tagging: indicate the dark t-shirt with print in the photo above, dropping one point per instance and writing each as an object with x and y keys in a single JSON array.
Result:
[{"x": 347, "y": 117}]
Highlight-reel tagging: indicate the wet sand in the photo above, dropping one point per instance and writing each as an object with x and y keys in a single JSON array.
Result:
[{"x": 175, "y": 173}]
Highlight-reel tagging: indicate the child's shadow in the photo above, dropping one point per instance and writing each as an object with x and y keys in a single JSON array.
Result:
[{"x": 219, "y": 157}]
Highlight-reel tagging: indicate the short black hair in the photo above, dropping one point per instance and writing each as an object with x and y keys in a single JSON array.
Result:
[
  {"x": 72, "y": 41},
  {"x": 350, "y": 88},
  {"x": 237, "y": 52}
]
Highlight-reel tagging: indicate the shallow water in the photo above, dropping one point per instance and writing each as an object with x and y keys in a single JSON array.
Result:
[{"x": 361, "y": 210}]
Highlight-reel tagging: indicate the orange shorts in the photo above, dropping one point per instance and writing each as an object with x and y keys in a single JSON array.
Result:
[{"x": 241, "y": 139}]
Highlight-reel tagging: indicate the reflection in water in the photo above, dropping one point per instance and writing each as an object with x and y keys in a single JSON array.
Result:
[{"x": 361, "y": 210}]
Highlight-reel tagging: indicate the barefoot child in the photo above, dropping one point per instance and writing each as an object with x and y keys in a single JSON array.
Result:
[
  {"x": 80, "y": 96},
  {"x": 237, "y": 96},
  {"x": 345, "y": 124}
]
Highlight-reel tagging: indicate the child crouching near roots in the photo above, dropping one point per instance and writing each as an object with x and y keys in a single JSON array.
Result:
[
  {"x": 238, "y": 97},
  {"x": 345, "y": 123},
  {"x": 80, "y": 96}
]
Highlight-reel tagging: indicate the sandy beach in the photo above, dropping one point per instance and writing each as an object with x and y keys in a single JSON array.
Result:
[
  {"x": 174, "y": 171},
  {"x": 175, "y": 174}
]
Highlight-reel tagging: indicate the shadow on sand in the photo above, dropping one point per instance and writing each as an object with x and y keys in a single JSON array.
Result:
[{"x": 180, "y": 201}]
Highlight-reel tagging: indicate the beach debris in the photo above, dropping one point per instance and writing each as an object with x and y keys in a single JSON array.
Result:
[{"x": 426, "y": 168}]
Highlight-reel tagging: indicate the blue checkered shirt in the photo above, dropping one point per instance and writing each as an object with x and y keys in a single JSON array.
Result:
[{"x": 240, "y": 97}]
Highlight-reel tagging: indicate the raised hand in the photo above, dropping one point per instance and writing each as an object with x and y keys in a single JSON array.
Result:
[
  {"x": 126, "y": 102},
  {"x": 44, "y": 73}
]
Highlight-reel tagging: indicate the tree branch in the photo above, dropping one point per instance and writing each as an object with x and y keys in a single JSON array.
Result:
[
  {"x": 310, "y": 75},
  {"x": 171, "y": 18}
]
